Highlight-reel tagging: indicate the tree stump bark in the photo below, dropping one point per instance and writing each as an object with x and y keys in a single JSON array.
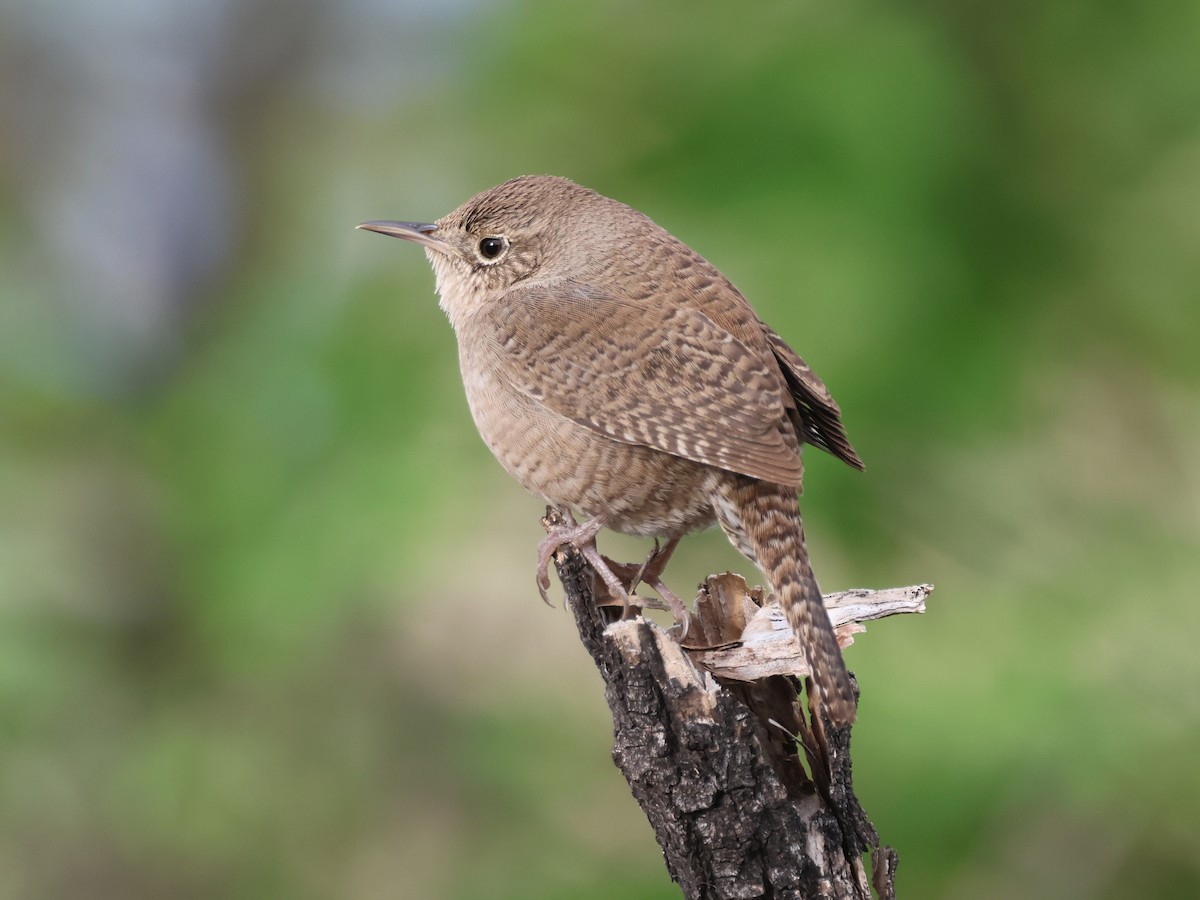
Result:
[{"x": 714, "y": 759}]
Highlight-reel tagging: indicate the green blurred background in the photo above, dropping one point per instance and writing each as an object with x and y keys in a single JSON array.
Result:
[{"x": 268, "y": 625}]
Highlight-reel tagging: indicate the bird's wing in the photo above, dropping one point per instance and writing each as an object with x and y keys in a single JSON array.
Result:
[
  {"x": 652, "y": 374},
  {"x": 819, "y": 417}
]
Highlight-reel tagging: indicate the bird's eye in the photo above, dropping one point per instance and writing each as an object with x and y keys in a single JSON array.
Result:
[{"x": 492, "y": 247}]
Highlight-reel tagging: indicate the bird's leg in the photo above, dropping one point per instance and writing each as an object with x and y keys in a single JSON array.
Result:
[
  {"x": 651, "y": 573},
  {"x": 584, "y": 538}
]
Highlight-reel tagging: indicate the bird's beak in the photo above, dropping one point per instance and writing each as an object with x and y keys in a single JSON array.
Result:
[{"x": 417, "y": 232}]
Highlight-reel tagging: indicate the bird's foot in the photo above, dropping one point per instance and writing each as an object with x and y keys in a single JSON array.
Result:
[
  {"x": 584, "y": 538},
  {"x": 683, "y": 619},
  {"x": 650, "y": 572}
]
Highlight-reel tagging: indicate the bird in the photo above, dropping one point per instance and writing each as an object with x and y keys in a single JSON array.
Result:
[{"x": 614, "y": 372}]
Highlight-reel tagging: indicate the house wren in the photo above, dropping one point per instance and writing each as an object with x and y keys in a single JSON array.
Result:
[{"x": 612, "y": 370}]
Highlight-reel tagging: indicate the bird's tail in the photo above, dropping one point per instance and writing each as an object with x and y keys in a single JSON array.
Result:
[{"x": 763, "y": 522}]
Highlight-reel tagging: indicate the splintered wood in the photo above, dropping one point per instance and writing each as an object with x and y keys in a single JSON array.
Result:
[{"x": 734, "y": 634}]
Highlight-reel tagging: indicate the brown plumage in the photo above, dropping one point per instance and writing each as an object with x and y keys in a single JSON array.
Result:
[{"x": 612, "y": 370}]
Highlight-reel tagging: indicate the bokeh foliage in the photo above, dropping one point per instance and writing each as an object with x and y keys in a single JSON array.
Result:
[{"x": 267, "y": 626}]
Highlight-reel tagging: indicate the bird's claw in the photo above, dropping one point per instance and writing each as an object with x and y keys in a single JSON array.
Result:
[
  {"x": 683, "y": 622},
  {"x": 543, "y": 586},
  {"x": 582, "y": 536},
  {"x": 543, "y": 570}
]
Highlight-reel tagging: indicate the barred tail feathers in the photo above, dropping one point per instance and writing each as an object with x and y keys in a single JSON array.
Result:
[{"x": 763, "y": 521}]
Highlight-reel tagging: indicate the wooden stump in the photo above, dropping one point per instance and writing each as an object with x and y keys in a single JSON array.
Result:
[{"x": 709, "y": 736}]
